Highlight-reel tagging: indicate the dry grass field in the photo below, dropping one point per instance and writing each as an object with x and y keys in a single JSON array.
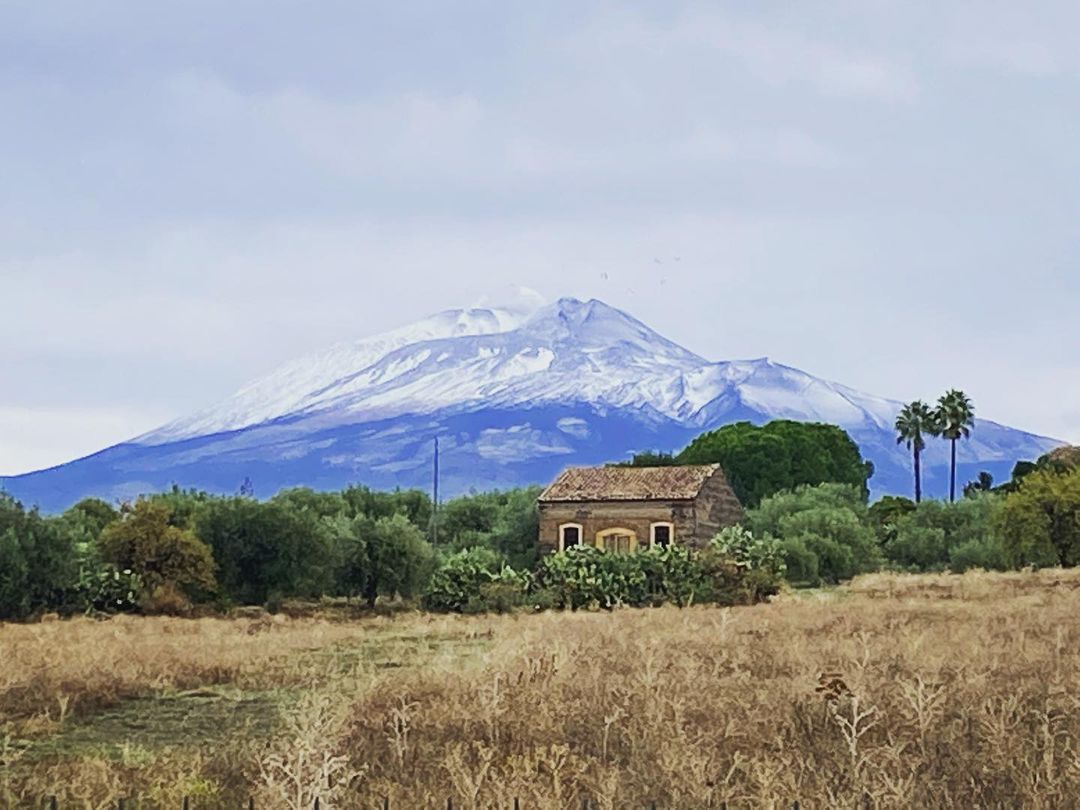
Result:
[{"x": 896, "y": 691}]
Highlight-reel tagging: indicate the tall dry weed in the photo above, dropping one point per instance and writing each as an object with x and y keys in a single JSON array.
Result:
[
  {"x": 906, "y": 692},
  {"x": 930, "y": 697}
]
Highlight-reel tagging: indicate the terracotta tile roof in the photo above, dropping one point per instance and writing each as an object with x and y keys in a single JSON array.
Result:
[{"x": 629, "y": 483}]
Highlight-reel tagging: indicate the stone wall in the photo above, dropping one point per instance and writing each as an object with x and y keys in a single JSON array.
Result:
[
  {"x": 597, "y": 516},
  {"x": 716, "y": 508}
]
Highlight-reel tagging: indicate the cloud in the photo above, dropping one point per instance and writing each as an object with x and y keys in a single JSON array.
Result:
[
  {"x": 185, "y": 208},
  {"x": 1012, "y": 39},
  {"x": 783, "y": 147},
  {"x": 513, "y": 297},
  {"x": 780, "y": 55},
  {"x": 36, "y": 438}
]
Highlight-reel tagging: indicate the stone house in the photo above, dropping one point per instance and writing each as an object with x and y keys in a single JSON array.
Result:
[{"x": 623, "y": 509}]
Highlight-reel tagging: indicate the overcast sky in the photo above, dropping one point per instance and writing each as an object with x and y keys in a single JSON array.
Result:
[{"x": 886, "y": 194}]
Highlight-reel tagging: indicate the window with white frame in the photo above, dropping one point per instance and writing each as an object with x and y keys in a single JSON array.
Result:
[
  {"x": 569, "y": 535},
  {"x": 661, "y": 534}
]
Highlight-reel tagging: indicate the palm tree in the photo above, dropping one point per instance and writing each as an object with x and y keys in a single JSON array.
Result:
[
  {"x": 955, "y": 416},
  {"x": 915, "y": 421}
]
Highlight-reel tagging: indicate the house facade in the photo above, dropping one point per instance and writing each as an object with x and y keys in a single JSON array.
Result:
[{"x": 623, "y": 509}]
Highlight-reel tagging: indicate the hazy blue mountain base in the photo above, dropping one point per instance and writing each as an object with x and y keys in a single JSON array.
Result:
[{"x": 480, "y": 449}]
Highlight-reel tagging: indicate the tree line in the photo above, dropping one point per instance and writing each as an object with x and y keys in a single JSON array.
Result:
[
  {"x": 185, "y": 551},
  {"x": 808, "y": 522},
  {"x": 168, "y": 551}
]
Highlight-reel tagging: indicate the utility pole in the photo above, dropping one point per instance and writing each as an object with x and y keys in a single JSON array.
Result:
[{"x": 435, "y": 498}]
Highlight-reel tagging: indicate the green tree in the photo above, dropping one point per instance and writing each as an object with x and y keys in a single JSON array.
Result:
[
  {"x": 1060, "y": 459},
  {"x": 265, "y": 548},
  {"x": 1023, "y": 468},
  {"x": 183, "y": 504},
  {"x": 160, "y": 554},
  {"x": 15, "y": 579},
  {"x": 1040, "y": 521},
  {"x": 825, "y": 529},
  {"x": 955, "y": 417},
  {"x": 761, "y": 461},
  {"x": 516, "y": 527},
  {"x": 413, "y": 503},
  {"x": 399, "y": 559},
  {"x": 306, "y": 502},
  {"x": 347, "y": 539},
  {"x": 505, "y": 521},
  {"x": 886, "y": 512},
  {"x": 38, "y": 563},
  {"x": 649, "y": 458},
  {"x": 913, "y": 424},
  {"x": 471, "y": 516},
  {"x": 1019, "y": 471},
  {"x": 92, "y": 515}
]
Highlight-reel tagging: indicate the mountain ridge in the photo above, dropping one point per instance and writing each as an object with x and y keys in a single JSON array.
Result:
[{"x": 513, "y": 394}]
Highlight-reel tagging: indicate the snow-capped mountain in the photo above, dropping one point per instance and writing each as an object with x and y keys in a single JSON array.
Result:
[{"x": 514, "y": 396}]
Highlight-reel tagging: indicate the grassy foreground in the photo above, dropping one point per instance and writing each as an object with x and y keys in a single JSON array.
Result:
[{"x": 900, "y": 691}]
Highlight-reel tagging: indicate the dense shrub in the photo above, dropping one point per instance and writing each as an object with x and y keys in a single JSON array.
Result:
[
  {"x": 987, "y": 553},
  {"x": 759, "y": 567},
  {"x": 739, "y": 545},
  {"x": 939, "y": 536},
  {"x": 166, "y": 559},
  {"x": 801, "y": 564},
  {"x": 105, "y": 588},
  {"x": 584, "y": 577},
  {"x": 303, "y": 543},
  {"x": 1040, "y": 521},
  {"x": 673, "y": 575},
  {"x": 473, "y": 581},
  {"x": 825, "y": 531}
]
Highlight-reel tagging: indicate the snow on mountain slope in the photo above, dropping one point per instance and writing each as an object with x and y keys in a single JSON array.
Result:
[
  {"x": 513, "y": 395},
  {"x": 566, "y": 351},
  {"x": 715, "y": 390},
  {"x": 295, "y": 386}
]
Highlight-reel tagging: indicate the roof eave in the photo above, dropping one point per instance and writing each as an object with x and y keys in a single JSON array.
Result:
[{"x": 689, "y": 499}]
